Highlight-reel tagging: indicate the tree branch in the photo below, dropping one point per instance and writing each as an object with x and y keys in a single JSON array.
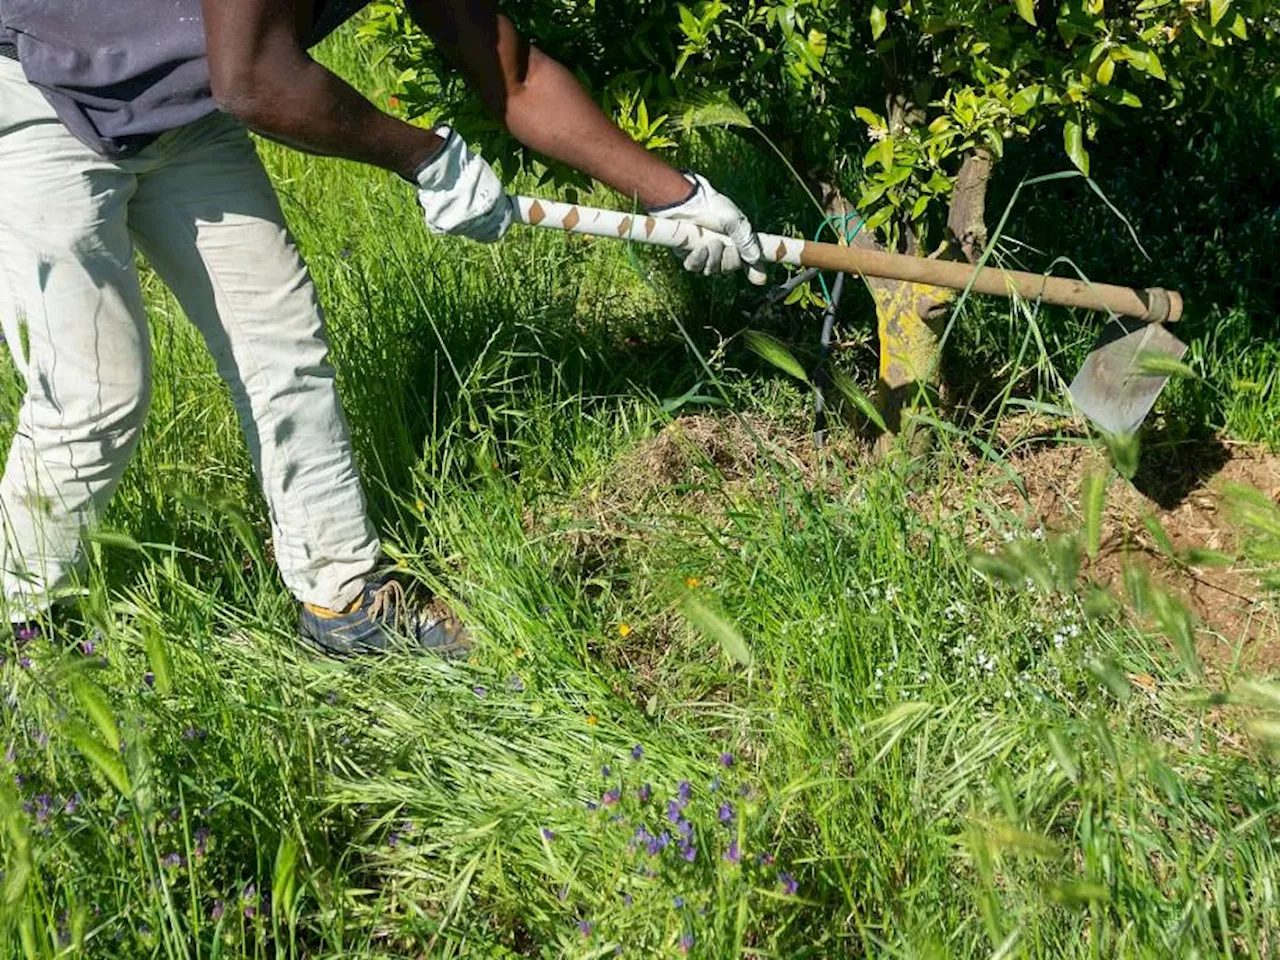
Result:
[{"x": 966, "y": 219}]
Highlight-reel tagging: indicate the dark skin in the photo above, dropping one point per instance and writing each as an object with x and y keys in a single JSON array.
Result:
[{"x": 262, "y": 74}]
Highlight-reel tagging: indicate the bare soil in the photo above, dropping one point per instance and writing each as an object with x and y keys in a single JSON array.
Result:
[{"x": 685, "y": 468}]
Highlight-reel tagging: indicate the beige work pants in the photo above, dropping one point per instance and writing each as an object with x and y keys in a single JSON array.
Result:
[{"x": 200, "y": 208}]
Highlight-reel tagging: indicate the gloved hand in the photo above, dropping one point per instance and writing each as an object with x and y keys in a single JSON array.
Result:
[
  {"x": 460, "y": 194},
  {"x": 716, "y": 212}
]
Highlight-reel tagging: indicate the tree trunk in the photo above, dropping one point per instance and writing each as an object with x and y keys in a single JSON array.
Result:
[{"x": 910, "y": 317}]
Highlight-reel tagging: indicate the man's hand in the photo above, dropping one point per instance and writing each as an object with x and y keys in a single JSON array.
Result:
[
  {"x": 461, "y": 194},
  {"x": 708, "y": 208}
]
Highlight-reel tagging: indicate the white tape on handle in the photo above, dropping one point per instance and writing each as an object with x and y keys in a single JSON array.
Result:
[{"x": 641, "y": 228}]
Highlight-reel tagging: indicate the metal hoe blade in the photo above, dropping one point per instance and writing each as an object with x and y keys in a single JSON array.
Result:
[{"x": 1110, "y": 389}]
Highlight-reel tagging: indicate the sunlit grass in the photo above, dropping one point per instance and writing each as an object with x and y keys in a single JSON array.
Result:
[{"x": 855, "y": 745}]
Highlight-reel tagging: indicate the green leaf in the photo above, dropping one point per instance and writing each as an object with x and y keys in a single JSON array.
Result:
[
  {"x": 1062, "y": 754},
  {"x": 284, "y": 876},
  {"x": 1110, "y": 675},
  {"x": 1106, "y": 70},
  {"x": 775, "y": 352},
  {"x": 158, "y": 658},
  {"x": 1238, "y": 26},
  {"x": 1124, "y": 450},
  {"x": 1153, "y": 363},
  {"x": 1093, "y": 494},
  {"x": 1144, "y": 60},
  {"x": 1160, "y": 535},
  {"x": 850, "y": 390},
  {"x": 1217, "y": 10},
  {"x": 1073, "y": 140},
  {"x": 95, "y": 703},
  {"x": 1177, "y": 624},
  {"x": 100, "y": 755},
  {"x": 1026, "y": 98},
  {"x": 713, "y": 625},
  {"x": 869, "y": 117},
  {"x": 1027, "y": 11},
  {"x": 881, "y": 153},
  {"x": 879, "y": 20}
]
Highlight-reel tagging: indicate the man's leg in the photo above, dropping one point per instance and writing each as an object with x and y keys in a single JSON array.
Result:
[
  {"x": 72, "y": 312},
  {"x": 207, "y": 219}
]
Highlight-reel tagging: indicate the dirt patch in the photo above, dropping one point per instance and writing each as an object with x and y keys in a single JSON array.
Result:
[
  {"x": 699, "y": 464},
  {"x": 1180, "y": 489}
]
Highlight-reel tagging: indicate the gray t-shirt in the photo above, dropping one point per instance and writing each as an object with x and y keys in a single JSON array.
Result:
[{"x": 121, "y": 72}]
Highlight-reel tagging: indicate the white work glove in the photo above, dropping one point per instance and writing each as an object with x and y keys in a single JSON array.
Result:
[
  {"x": 718, "y": 213},
  {"x": 460, "y": 194}
]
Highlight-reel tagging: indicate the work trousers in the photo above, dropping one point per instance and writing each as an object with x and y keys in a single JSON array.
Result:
[{"x": 199, "y": 206}]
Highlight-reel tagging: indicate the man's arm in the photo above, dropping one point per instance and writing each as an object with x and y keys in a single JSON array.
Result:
[
  {"x": 541, "y": 103},
  {"x": 261, "y": 74}
]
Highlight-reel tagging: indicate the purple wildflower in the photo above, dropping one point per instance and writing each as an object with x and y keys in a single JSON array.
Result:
[
  {"x": 677, "y": 902},
  {"x": 605, "y": 771},
  {"x": 726, "y": 812},
  {"x": 87, "y": 647},
  {"x": 642, "y": 833},
  {"x": 686, "y": 942},
  {"x": 689, "y": 852},
  {"x": 673, "y": 811},
  {"x": 250, "y": 912},
  {"x": 72, "y": 803},
  {"x": 149, "y": 679},
  {"x": 653, "y": 846},
  {"x": 192, "y": 733},
  {"x": 726, "y": 759},
  {"x": 217, "y": 910},
  {"x": 548, "y": 834},
  {"x": 24, "y": 663},
  {"x": 393, "y": 839},
  {"x": 173, "y": 859},
  {"x": 592, "y": 805},
  {"x": 628, "y": 900},
  {"x": 664, "y": 838},
  {"x": 789, "y": 883},
  {"x": 28, "y": 632},
  {"x": 684, "y": 791},
  {"x": 684, "y": 827},
  {"x": 644, "y": 793},
  {"x": 250, "y": 893},
  {"x": 765, "y": 859},
  {"x": 584, "y": 927},
  {"x": 733, "y": 855},
  {"x": 480, "y": 691},
  {"x": 637, "y": 752}
]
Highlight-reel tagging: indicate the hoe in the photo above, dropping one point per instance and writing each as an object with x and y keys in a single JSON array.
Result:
[{"x": 1115, "y": 386}]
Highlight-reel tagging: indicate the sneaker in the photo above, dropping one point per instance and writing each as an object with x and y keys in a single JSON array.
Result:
[{"x": 380, "y": 618}]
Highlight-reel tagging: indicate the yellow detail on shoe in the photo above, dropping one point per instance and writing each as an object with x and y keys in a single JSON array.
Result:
[{"x": 325, "y": 613}]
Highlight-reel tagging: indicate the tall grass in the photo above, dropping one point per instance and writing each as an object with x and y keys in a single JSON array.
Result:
[{"x": 769, "y": 710}]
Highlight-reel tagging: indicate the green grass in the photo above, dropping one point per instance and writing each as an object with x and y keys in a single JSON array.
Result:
[{"x": 943, "y": 765}]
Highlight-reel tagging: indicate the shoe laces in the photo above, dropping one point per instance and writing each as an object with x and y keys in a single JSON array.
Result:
[{"x": 389, "y": 603}]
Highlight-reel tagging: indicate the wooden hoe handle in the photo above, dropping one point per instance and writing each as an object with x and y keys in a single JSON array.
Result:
[{"x": 1153, "y": 305}]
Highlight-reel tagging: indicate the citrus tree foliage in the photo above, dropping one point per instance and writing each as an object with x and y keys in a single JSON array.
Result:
[{"x": 882, "y": 99}]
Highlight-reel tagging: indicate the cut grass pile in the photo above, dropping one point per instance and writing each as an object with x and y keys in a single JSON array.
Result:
[{"x": 739, "y": 701}]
